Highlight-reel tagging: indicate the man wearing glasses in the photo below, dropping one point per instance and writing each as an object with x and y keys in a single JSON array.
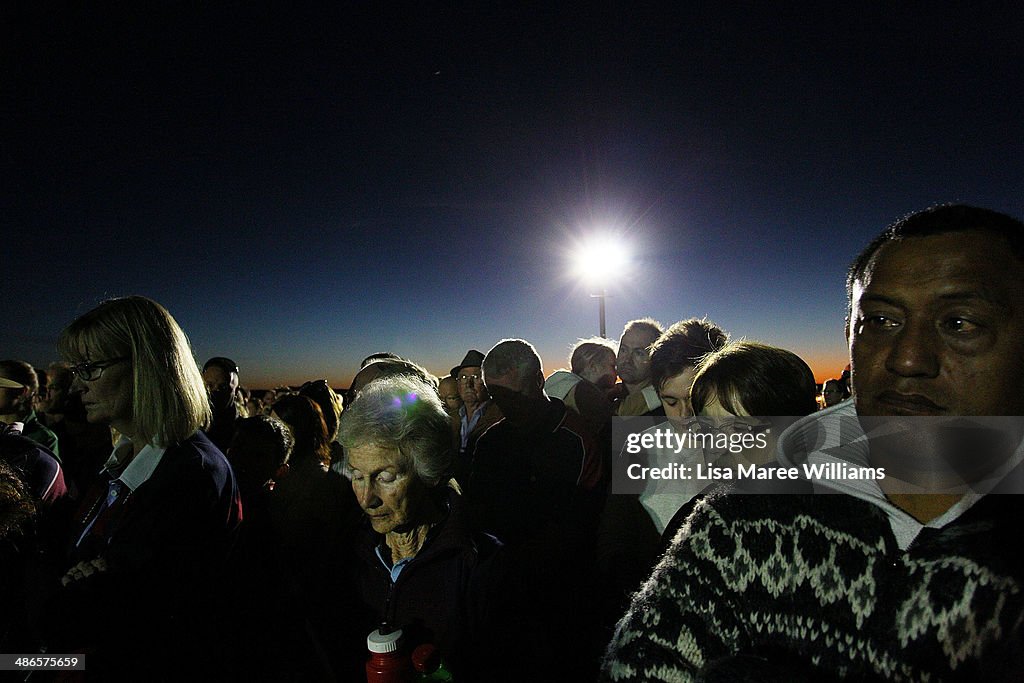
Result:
[{"x": 477, "y": 412}]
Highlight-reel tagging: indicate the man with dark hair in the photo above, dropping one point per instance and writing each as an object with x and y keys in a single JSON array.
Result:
[
  {"x": 16, "y": 396},
  {"x": 221, "y": 378},
  {"x": 674, "y": 358},
  {"x": 878, "y": 580},
  {"x": 633, "y": 363}
]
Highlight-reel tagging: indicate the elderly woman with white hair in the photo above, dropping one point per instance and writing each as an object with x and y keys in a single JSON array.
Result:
[{"x": 422, "y": 568}]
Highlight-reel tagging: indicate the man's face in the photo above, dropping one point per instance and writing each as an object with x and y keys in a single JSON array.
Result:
[
  {"x": 221, "y": 385},
  {"x": 56, "y": 402},
  {"x": 634, "y": 360},
  {"x": 602, "y": 371},
  {"x": 675, "y": 395},
  {"x": 471, "y": 385},
  {"x": 521, "y": 399},
  {"x": 448, "y": 390},
  {"x": 831, "y": 394},
  {"x": 937, "y": 328}
]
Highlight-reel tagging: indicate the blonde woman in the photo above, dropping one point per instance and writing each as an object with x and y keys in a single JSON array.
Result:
[{"x": 149, "y": 538}]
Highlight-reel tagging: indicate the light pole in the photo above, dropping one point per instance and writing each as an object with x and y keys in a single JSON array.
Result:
[
  {"x": 600, "y": 310},
  {"x": 597, "y": 260}
]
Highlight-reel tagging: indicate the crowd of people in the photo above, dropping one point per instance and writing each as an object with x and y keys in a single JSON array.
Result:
[{"x": 168, "y": 523}]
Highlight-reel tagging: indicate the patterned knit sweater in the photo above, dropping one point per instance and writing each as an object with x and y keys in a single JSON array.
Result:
[{"x": 817, "y": 585}]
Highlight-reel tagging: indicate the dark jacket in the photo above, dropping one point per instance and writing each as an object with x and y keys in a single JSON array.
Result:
[
  {"x": 539, "y": 489},
  {"x": 36, "y": 466},
  {"x": 542, "y": 481},
  {"x": 165, "y": 545},
  {"x": 446, "y": 595},
  {"x": 464, "y": 463}
]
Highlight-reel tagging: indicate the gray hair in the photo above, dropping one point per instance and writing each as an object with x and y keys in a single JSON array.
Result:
[
  {"x": 512, "y": 354},
  {"x": 403, "y": 412}
]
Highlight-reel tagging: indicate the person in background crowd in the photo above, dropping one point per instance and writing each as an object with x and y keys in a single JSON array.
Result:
[
  {"x": 873, "y": 581},
  {"x": 314, "y": 510},
  {"x": 85, "y": 446},
  {"x": 37, "y": 401},
  {"x": 593, "y": 359},
  {"x": 633, "y": 364},
  {"x": 253, "y": 407},
  {"x": 220, "y": 375},
  {"x": 266, "y": 601},
  {"x": 330, "y": 407},
  {"x": 629, "y": 536},
  {"x": 386, "y": 366},
  {"x": 475, "y": 416},
  {"x": 833, "y": 392},
  {"x": 538, "y": 485},
  {"x": 583, "y": 388},
  {"x": 380, "y": 355},
  {"x": 448, "y": 390},
  {"x": 16, "y": 398},
  {"x": 149, "y": 542},
  {"x": 267, "y": 400},
  {"x": 674, "y": 358},
  {"x": 259, "y": 454}
]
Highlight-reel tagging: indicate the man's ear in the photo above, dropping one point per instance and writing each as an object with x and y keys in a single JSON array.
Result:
[
  {"x": 846, "y": 329},
  {"x": 26, "y": 397}
]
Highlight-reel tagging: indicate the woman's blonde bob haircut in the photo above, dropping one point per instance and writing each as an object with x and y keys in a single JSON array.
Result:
[{"x": 169, "y": 401}]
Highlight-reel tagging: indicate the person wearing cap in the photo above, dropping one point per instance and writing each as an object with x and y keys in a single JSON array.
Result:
[
  {"x": 477, "y": 413},
  {"x": 18, "y": 386},
  {"x": 220, "y": 375}
]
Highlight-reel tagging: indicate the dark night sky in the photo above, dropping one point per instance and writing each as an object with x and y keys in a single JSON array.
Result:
[{"x": 302, "y": 187}]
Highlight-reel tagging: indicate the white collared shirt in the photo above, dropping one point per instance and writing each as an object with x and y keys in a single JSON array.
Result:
[
  {"x": 134, "y": 475},
  {"x": 140, "y": 469},
  {"x": 856, "y": 451}
]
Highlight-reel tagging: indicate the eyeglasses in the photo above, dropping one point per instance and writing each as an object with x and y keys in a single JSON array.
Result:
[
  {"x": 91, "y": 370},
  {"x": 470, "y": 379}
]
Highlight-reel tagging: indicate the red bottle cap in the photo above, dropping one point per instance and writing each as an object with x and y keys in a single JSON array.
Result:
[{"x": 426, "y": 658}]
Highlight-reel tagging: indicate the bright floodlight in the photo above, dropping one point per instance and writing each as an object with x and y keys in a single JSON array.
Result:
[{"x": 598, "y": 259}]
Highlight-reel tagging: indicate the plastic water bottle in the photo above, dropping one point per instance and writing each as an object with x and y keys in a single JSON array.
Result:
[{"x": 387, "y": 662}]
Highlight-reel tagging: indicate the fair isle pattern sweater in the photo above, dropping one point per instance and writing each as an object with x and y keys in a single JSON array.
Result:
[{"x": 818, "y": 582}]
